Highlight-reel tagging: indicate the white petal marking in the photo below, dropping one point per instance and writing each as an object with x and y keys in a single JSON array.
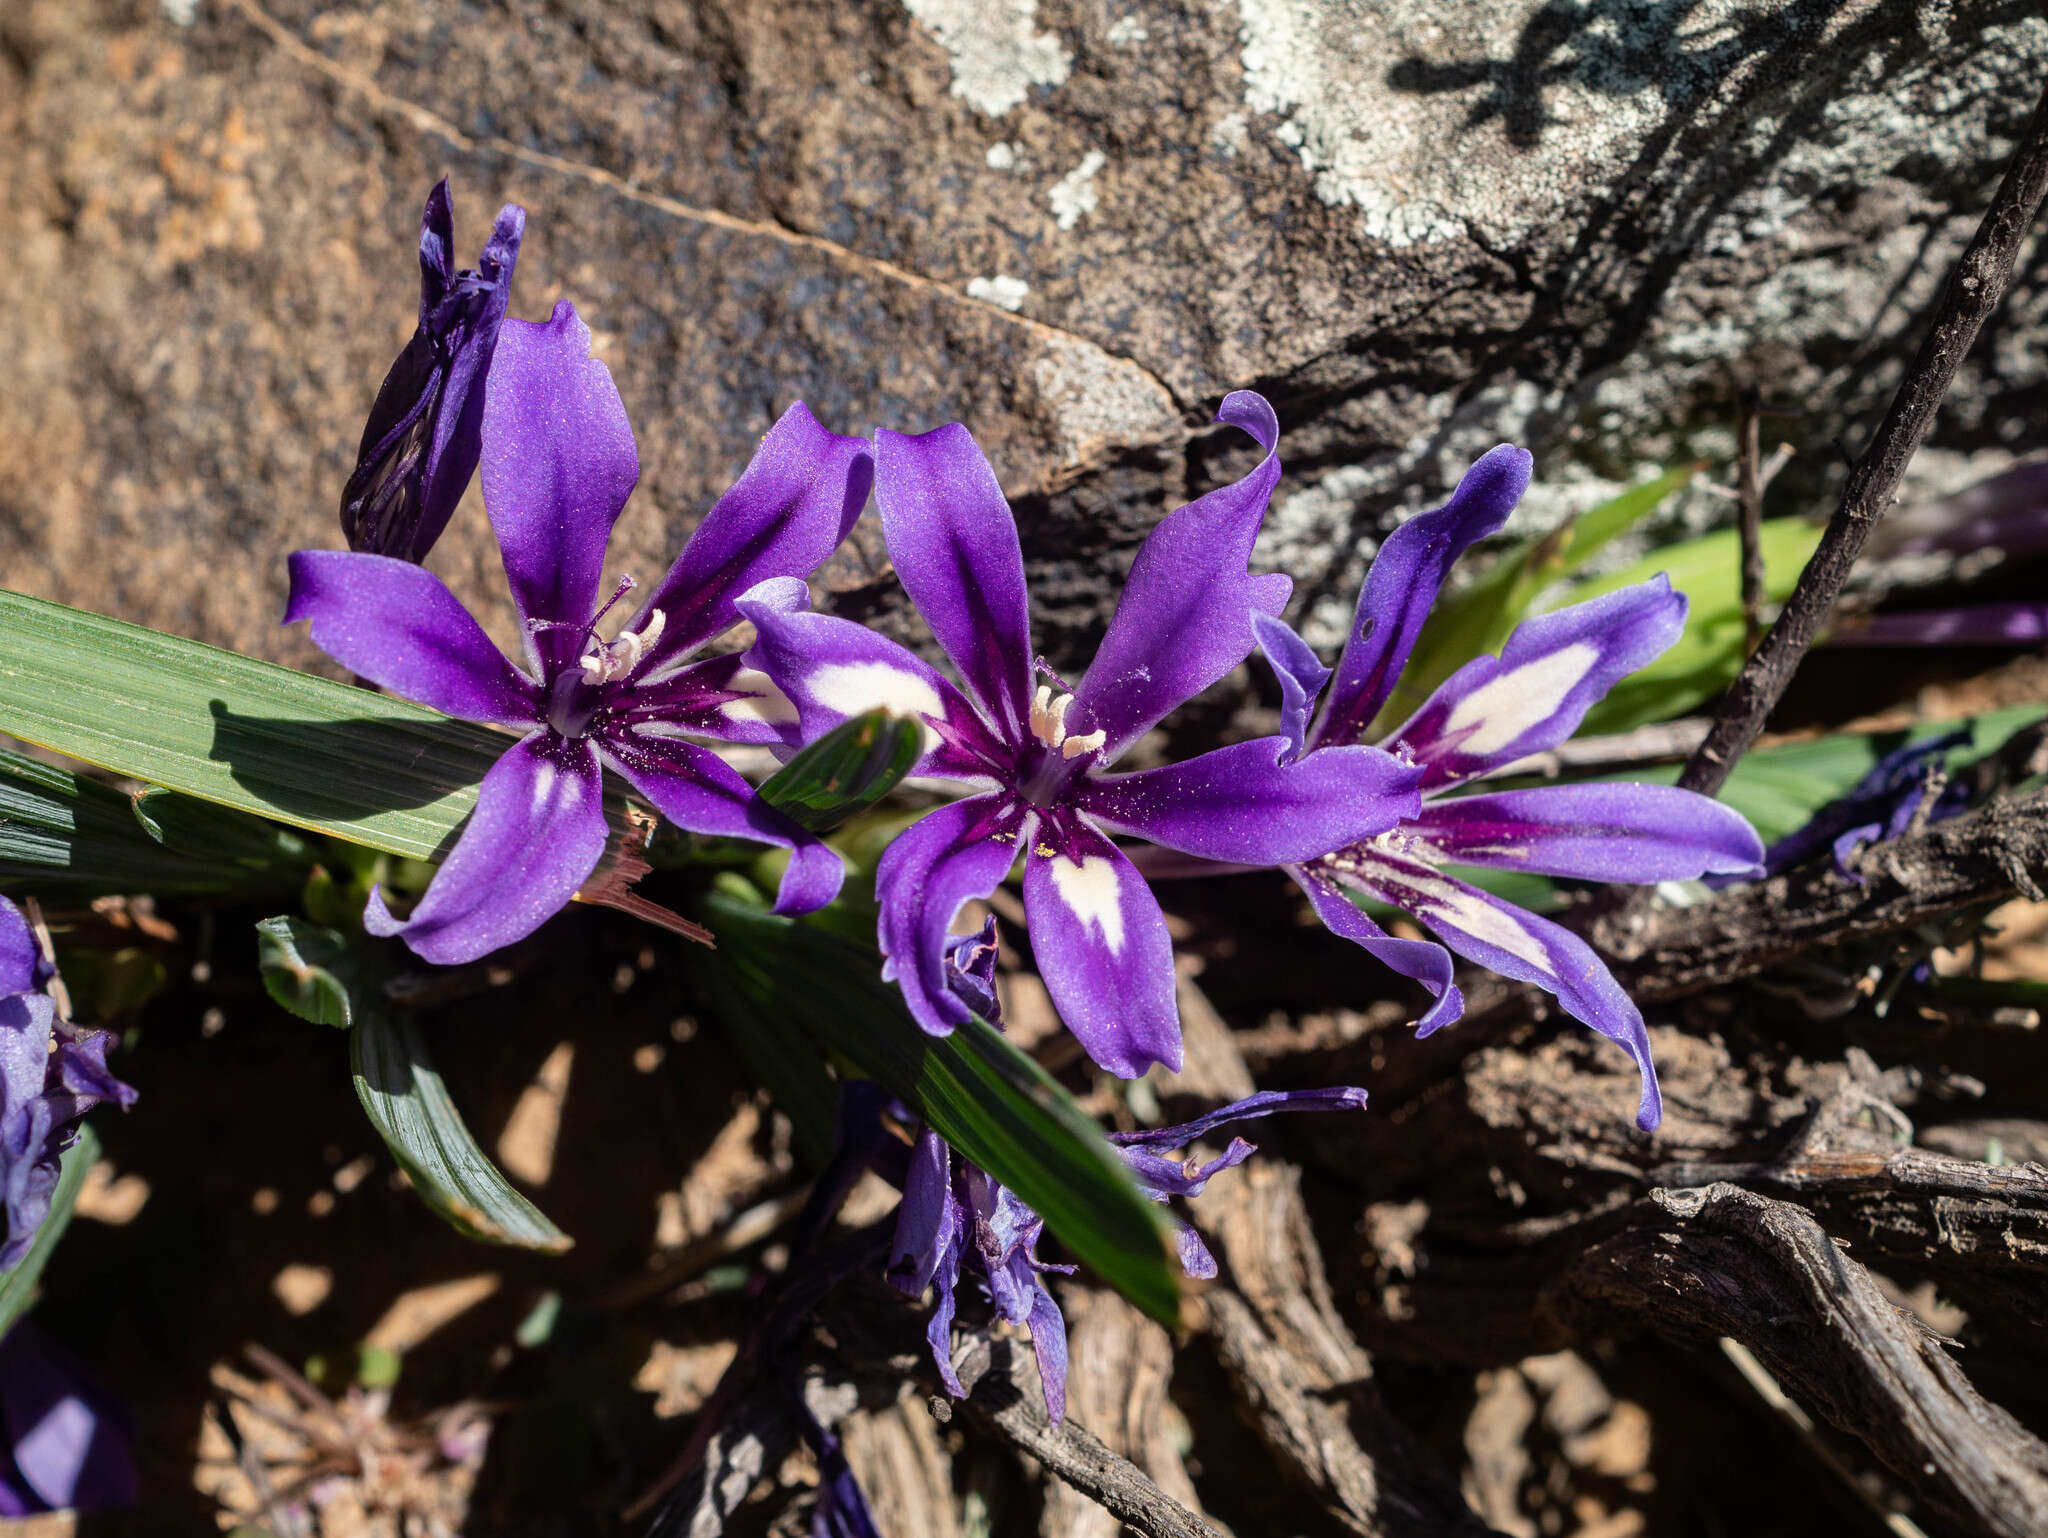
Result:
[
  {"x": 767, "y": 704},
  {"x": 1435, "y": 896},
  {"x": 850, "y": 688},
  {"x": 1093, "y": 893},
  {"x": 1504, "y": 708}
]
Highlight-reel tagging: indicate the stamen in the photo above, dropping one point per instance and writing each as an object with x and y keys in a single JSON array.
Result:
[
  {"x": 1056, "y": 717},
  {"x": 1074, "y": 747}
]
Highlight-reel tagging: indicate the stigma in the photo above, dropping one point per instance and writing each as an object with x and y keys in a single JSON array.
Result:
[{"x": 1049, "y": 725}]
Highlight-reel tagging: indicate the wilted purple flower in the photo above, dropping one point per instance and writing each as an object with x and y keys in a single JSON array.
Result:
[
  {"x": 1183, "y": 622},
  {"x": 558, "y": 465},
  {"x": 44, "y": 1092},
  {"x": 420, "y": 445},
  {"x": 1981, "y": 624},
  {"x": 63, "y": 1443},
  {"x": 1881, "y": 805},
  {"x": 954, "y": 1211},
  {"x": 1481, "y": 720}
]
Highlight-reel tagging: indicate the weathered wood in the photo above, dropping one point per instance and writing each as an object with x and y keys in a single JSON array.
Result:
[{"x": 1697, "y": 1264}]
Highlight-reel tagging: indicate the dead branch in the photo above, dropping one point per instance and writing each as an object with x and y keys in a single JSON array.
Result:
[
  {"x": 1974, "y": 861},
  {"x": 1698, "y": 1264},
  {"x": 1974, "y": 291}
]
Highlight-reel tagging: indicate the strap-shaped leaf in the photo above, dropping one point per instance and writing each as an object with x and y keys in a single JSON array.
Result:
[
  {"x": 992, "y": 1103},
  {"x": 18, "y": 1286},
  {"x": 409, "y": 1106},
  {"x": 846, "y": 771},
  {"x": 241, "y": 733}
]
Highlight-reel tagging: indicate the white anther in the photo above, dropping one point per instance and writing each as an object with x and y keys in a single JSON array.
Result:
[
  {"x": 1074, "y": 747},
  {"x": 593, "y": 666},
  {"x": 651, "y": 631},
  {"x": 1056, "y": 717},
  {"x": 1039, "y": 702}
]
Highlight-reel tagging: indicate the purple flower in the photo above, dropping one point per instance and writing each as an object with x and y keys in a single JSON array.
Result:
[
  {"x": 1485, "y": 717},
  {"x": 1183, "y": 622},
  {"x": 44, "y": 1093},
  {"x": 558, "y": 465},
  {"x": 1984, "y": 624},
  {"x": 420, "y": 445},
  {"x": 1881, "y": 805},
  {"x": 63, "y": 1443},
  {"x": 953, "y": 1211}
]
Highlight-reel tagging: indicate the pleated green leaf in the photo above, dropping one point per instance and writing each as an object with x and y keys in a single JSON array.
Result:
[
  {"x": 410, "y": 1108},
  {"x": 992, "y": 1103},
  {"x": 61, "y": 831},
  {"x": 846, "y": 771},
  {"x": 307, "y": 969}
]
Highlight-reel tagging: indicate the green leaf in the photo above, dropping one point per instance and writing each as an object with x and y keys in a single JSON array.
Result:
[
  {"x": 240, "y": 733},
  {"x": 18, "y": 1286},
  {"x": 1479, "y": 619},
  {"x": 1707, "y": 656},
  {"x": 846, "y": 771},
  {"x": 307, "y": 970},
  {"x": 992, "y": 1103},
  {"x": 67, "y": 832},
  {"x": 409, "y": 1106}
]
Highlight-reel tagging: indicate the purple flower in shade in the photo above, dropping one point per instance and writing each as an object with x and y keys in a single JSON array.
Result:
[
  {"x": 558, "y": 465},
  {"x": 1490, "y": 713},
  {"x": 63, "y": 1443},
  {"x": 954, "y": 1211},
  {"x": 1183, "y": 622},
  {"x": 51, "y": 1074},
  {"x": 420, "y": 445},
  {"x": 1881, "y": 805},
  {"x": 1984, "y": 624}
]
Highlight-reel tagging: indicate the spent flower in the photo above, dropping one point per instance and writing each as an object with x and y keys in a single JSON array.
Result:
[
  {"x": 51, "y": 1074},
  {"x": 955, "y": 1215},
  {"x": 1487, "y": 716},
  {"x": 1040, "y": 752},
  {"x": 558, "y": 465},
  {"x": 421, "y": 443}
]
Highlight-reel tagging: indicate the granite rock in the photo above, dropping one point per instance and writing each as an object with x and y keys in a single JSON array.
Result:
[{"x": 1073, "y": 224}]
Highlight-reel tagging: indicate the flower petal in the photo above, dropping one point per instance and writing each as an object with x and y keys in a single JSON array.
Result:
[
  {"x": 925, "y": 1217},
  {"x": 783, "y": 517},
  {"x": 397, "y": 625},
  {"x": 701, "y": 793},
  {"x": 20, "y": 956},
  {"x": 1268, "y": 1102},
  {"x": 1515, "y": 943},
  {"x": 1184, "y": 619},
  {"x": 1160, "y": 1176},
  {"x": 534, "y": 838},
  {"x": 954, "y": 543},
  {"x": 1422, "y": 960},
  {"x": 1049, "y": 1341},
  {"x": 937, "y": 864},
  {"x": 1101, "y": 946},
  {"x": 1403, "y": 582},
  {"x": 1242, "y": 804},
  {"x": 1554, "y": 668},
  {"x": 66, "y": 1437},
  {"x": 1599, "y": 832},
  {"x": 719, "y": 697},
  {"x": 1301, "y": 674},
  {"x": 558, "y": 465},
  {"x": 829, "y": 669}
]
